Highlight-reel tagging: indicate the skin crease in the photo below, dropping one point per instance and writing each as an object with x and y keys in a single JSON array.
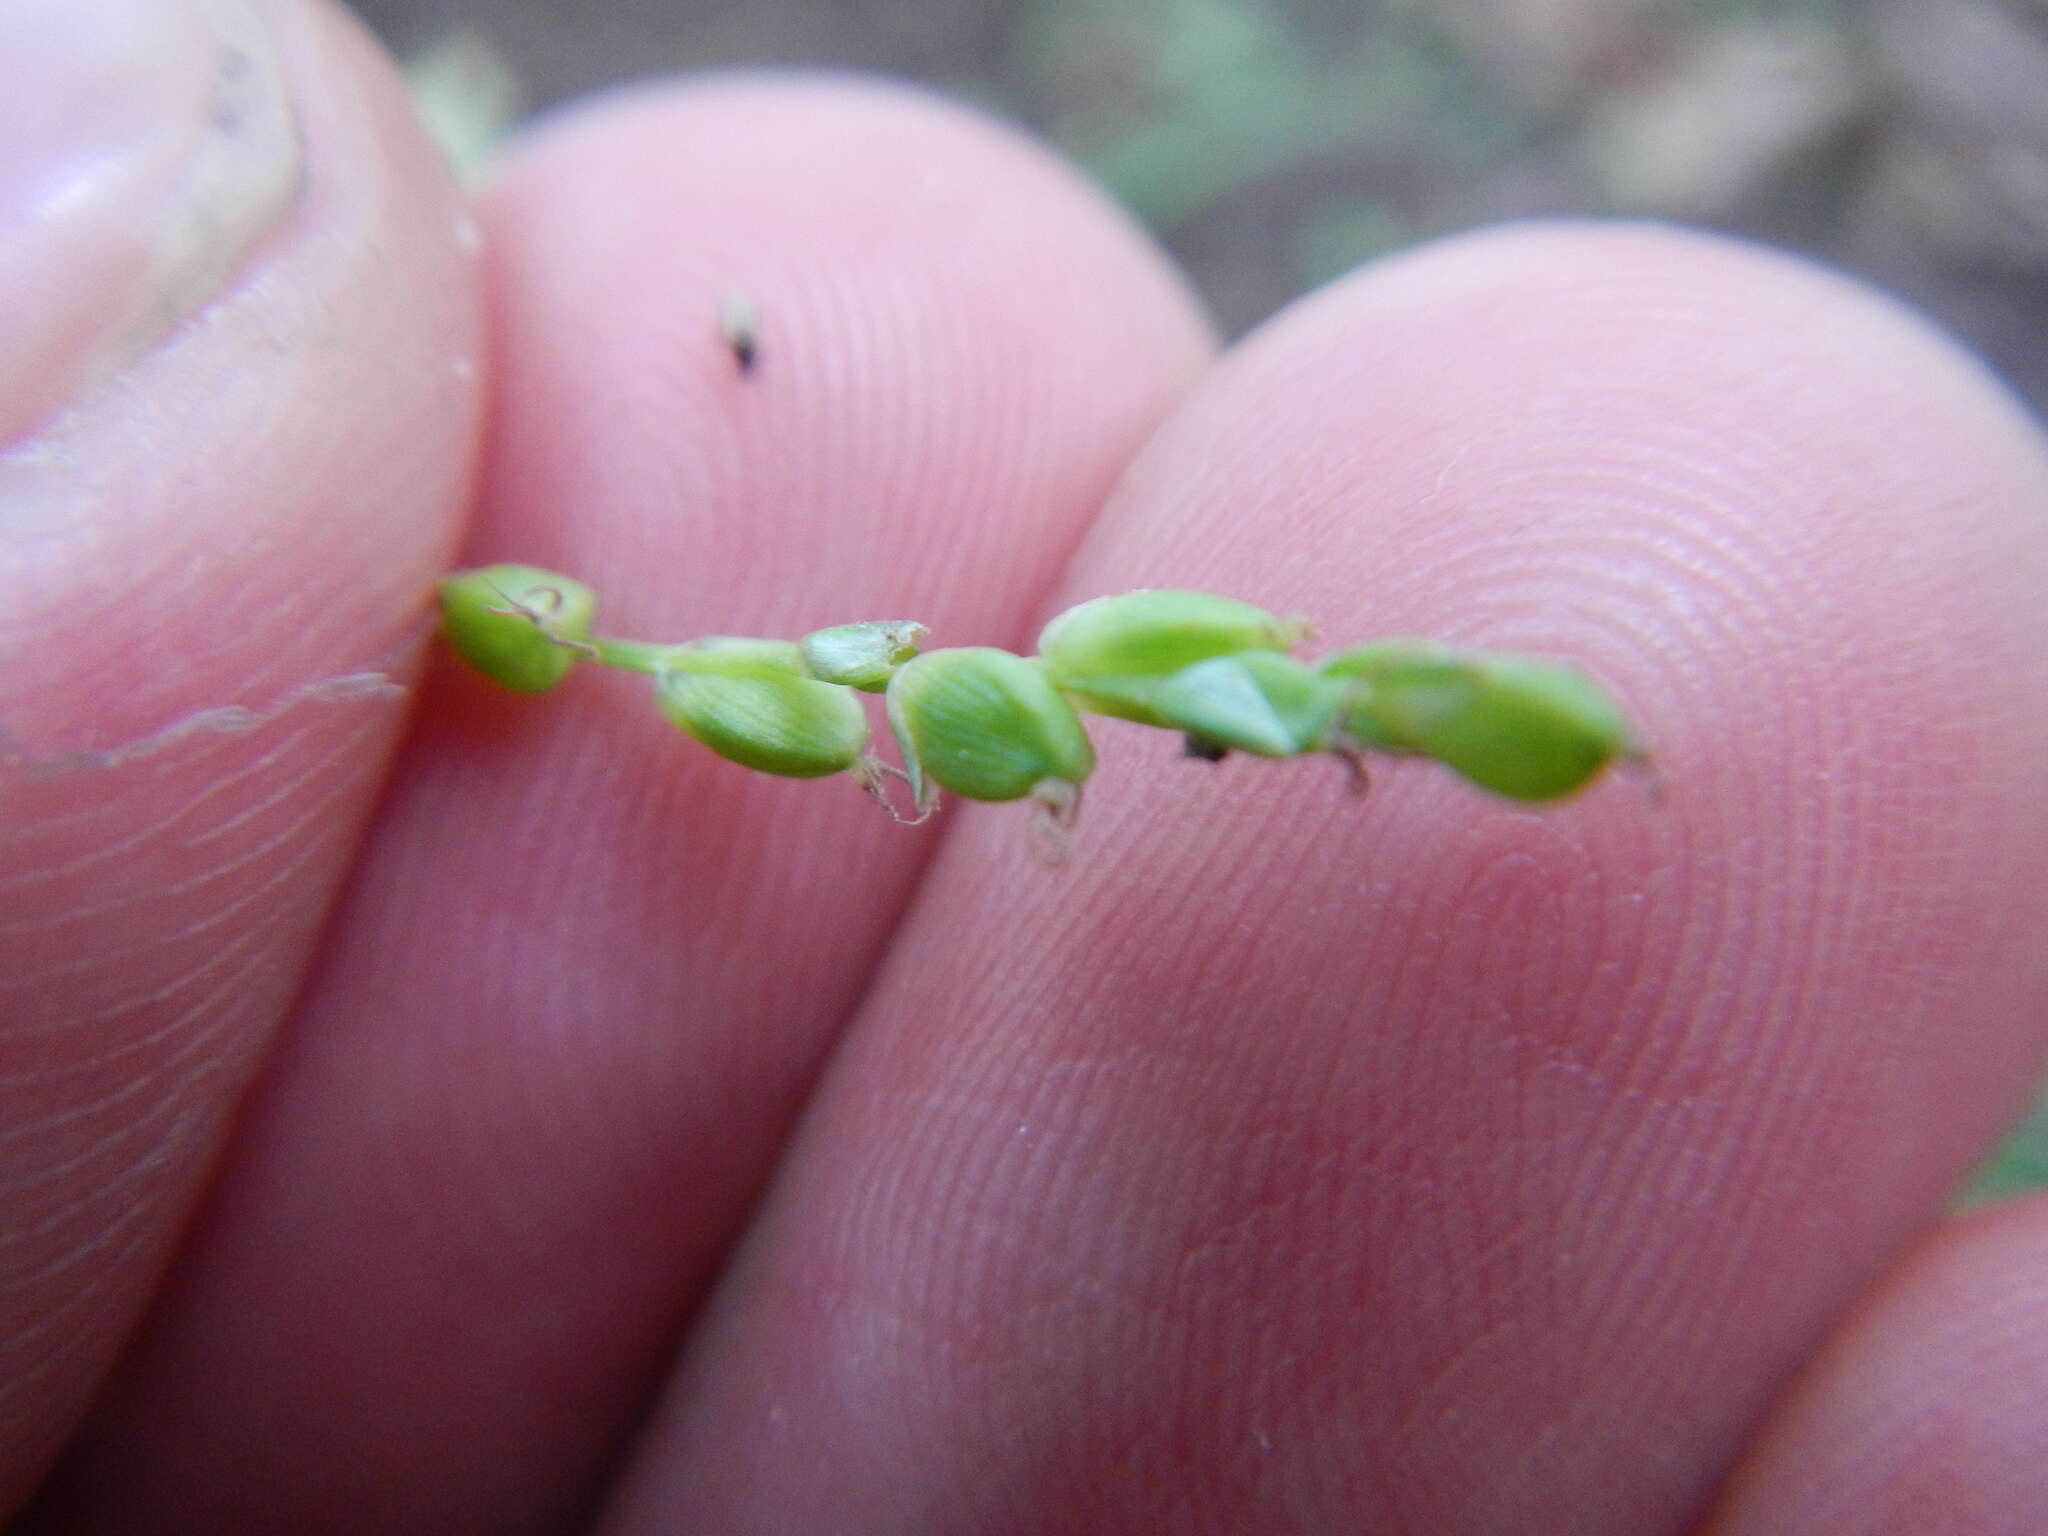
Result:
[{"x": 657, "y": 1146}]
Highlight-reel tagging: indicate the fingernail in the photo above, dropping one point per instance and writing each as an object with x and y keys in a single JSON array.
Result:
[{"x": 145, "y": 146}]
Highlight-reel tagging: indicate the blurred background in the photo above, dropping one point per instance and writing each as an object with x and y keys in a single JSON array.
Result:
[{"x": 1273, "y": 146}]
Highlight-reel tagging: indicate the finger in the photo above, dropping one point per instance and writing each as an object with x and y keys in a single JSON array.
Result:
[
  {"x": 587, "y": 971},
  {"x": 1424, "y": 1163},
  {"x": 241, "y": 429},
  {"x": 1924, "y": 1412}
]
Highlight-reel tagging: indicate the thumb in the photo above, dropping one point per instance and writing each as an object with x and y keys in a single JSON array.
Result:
[{"x": 237, "y": 403}]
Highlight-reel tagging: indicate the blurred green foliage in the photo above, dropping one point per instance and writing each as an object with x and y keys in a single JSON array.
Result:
[
  {"x": 1180, "y": 106},
  {"x": 2020, "y": 1163}
]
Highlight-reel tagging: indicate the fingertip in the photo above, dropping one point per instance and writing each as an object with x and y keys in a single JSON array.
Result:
[
  {"x": 218, "y": 536},
  {"x": 260, "y": 490},
  {"x": 1923, "y": 1413},
  {"x": 927, "y": 292},
  {"x": 1795, "y": 530}
]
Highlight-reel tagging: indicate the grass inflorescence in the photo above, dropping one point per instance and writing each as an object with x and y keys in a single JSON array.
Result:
[{"x": 989, "y": 724}]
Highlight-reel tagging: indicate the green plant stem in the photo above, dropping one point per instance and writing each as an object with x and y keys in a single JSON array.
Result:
[{"x": 633, "y": 655}]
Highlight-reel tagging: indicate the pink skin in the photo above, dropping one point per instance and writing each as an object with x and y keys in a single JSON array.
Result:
[
  {"x": 212, "y": 570},
  {"x": 1924, "y": 1412},
  {"x": 655, "y": 1144}
]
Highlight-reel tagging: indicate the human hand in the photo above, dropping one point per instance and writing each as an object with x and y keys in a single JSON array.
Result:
[{"x": 650, "y": 1145}]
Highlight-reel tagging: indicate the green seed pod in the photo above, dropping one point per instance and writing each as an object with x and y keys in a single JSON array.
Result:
[
  {"x": 984, "y": 724},
  {"x": 1528, "y": 729},
  {"x": 1261, "y": 702},
  {"x": 862, "y": 656},
  {"x": 1105, "y": 652},
  {"x": 748, "y": 701},
  {"x": 520, "y": 626}
]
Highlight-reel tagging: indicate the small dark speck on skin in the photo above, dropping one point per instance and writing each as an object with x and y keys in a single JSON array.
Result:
[
  {"x": 739, "y": 322},
  {"x": 1202, "y": 749}
]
